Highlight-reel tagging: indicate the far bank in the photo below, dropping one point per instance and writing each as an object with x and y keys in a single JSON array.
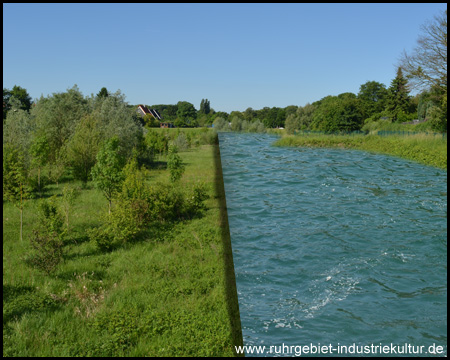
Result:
[{"x": 425, "y": 149}]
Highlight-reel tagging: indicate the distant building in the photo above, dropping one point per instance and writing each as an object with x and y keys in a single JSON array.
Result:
[
  {"x": 166, "y": 125},
  {"x": 144, "y": 110}
]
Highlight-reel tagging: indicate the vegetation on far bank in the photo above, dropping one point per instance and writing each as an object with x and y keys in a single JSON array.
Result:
[{"x": 425, "y": 149}]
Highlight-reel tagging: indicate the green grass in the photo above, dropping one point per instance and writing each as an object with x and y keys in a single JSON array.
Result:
[
  {"x": 425, "y": 149},
  {"x": 172, "y": 294}
]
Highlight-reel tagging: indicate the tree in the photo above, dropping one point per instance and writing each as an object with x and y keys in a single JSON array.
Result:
[
  {"x": 19, "y": 94},
  {"x": 175, "y": 164},
  {"x": 220, "y": 124},
  {"x": 186, "y": 110},
  {"x": 205, "y": 107},
  {"x": 249, "y": 114},
  {"x": 39, "y": 151},
  {"x": 57, "y": 117},
  {"x": 338, "y": 113},
  {"x": 236, "y": 123},
  {"x": 18, "y": 129},
  {"x": 397, "y": 97},
  {"x": 69, "y": 195},
  {"x": 292, "y": 123},
  {"x": 48, "y": 238},
  {"x": 373, "y": 96},
  {"x": 82, "y": 148},
  {"x": 6, "y": 97},
  {"x": 15, "y": 180},
  {"x": 107, "y": 172},
  {"x": 103, "y": 93},
  {"x": 427, "y": 65},
  {"x": 116, "y": 118}
]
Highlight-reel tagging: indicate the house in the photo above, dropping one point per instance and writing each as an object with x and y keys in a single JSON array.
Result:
[
  {"x": 166, "y": 125},
  {"x": 144, "y": 110}
]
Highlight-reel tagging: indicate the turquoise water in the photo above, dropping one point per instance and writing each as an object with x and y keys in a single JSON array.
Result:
[{"x": 335, "y": 247}]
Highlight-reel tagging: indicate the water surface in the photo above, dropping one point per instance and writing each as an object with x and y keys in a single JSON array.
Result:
[{"x": 335, "y": 246}]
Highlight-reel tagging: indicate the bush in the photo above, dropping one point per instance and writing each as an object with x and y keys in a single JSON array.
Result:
[
  {"x": 175, "y": 165},
  {"x": 181, "y": 142},
  {"x": 47, "y": 240},
  {"x": 194, "y": 203}
]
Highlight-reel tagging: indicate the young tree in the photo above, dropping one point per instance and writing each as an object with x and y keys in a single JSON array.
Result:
[
  {"x": 48, "y": 238},
  {"x": 175, "y": 164},
  {"x": 39, "y": 151},
  {"x": 107, "y": 172},
  {"x": 15, "y": 181},
  {"x": 69, "y": 195}
]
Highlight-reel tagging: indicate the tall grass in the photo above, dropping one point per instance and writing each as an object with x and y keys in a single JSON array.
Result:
[
  {"x": 170, "y": 294},
  {"x": 425, "y": 149}
]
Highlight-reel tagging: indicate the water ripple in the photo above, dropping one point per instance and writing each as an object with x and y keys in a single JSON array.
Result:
[{"x": 335, "y": 246}]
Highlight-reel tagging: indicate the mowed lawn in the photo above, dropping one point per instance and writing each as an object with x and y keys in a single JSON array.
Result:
[{"x": 171, "y": 294}]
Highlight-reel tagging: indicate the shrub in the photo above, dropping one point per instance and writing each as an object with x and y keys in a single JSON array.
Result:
[
  {"x": 47, "y": 239},
  {"x": 195, "y": 198},
  {"x": 181, "y": 142},
  {"x": 175, "y": 165}
]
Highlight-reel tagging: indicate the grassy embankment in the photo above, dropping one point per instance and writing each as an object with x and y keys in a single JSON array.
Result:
[
  {"x": 425, "y": 149},
  {"x": 174, "y": 295}
]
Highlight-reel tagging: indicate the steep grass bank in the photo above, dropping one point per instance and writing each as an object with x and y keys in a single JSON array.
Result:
[
  {"x": 425, "y": 149},
  {"x": 170, "y": 294}
]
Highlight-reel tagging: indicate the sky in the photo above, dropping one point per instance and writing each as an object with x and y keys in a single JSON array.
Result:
[{"x": 235, "y": 55}]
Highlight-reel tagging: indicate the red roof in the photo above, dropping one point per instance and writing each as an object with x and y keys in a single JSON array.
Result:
[{"x": 144, "y": 109}]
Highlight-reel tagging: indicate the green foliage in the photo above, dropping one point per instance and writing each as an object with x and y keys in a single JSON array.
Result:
[
  {"x": 338, "y": 113},
  {"x": 103, "y": 92},
  {"x": 96, "y": 303},
  {"x": 17, "y": 98},
  {"x": 397, "y": 97},
  {"x": 69, "y": 195},
  {"x": 150, "y": 121},
  {"x": 115, "y": 118},
  {"x": 16, "y": 186},
  {"x": 181, "y": 142},
  {"x": 236, "y": 123},
  {"x": 292, "y": 124},
  {"x": 373, "y": 96},
  {"x": 39, "y": 150},
  {"x": 205, "y": 107},
  {"x": 18, "y": 131},
  {"x": 437, "y": 119},
  {"x": 57, "y": 117},
  {"x": 195, "y": 200},
  {"x": 157, "y": 142},
  {"x": 47, "y": 240},
  {"x": 175, "y": 165},
  {"x": 186, "y": 111},
  {"x": 82, "y": 148},
  {"x": 425, "y": 149},
  {"x": 15, "y": 176},
  {"x": 220, "y": 124},
  {"x": 107, "y": 172}
]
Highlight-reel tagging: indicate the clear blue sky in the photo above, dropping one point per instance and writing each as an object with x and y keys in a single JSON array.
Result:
[{"x": 235, "y": 55}]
